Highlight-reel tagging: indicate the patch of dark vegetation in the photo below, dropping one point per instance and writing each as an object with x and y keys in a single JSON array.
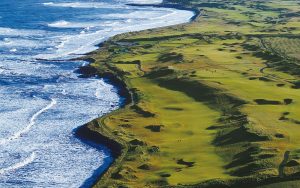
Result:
[
  {"x": 289, "y": 14},
  {"x": 154, "y": 128},
  {"x": 116, "y": 175},
  {"x": 296, "y": 85},
  {"x": 160, "y": 183},
  {"x": 124, "y": 120},
  {"x": 132, "y": 148},
  {"x": 295, "y": 121},
  {"x": 252, "y": 154},
  {"x": 144, "y": 167},
  {"x": 266, "y": 102},
  {"x": 182, "y": 162},
  {"x": 250, "y": 47},
  {"x": 239, "y": 57},
  {"x": 122, "y": 186},
  {"x": 189, "y": 132},
  {"x": 153, "y": 149},
  {"x": 234, "y": 119},
  {"x": 279, "y": 135},
  {"x": 147, "y": 46},
  {"x": 260, "y": 6},
  {"x": 172, "y": 56},
  {"x": 282, "y": 118},
  {"x": 165, "y": 175},
  {"x": 265, "y": 79},
  {"x": 174, "y": 108},
  {"x": 118, "y": 50},
  {"x": 280, "y": 85},
  {"x": 287, "y": 101},
  {"x": 233, "y": 22},
  {"x": 135, "y": 62},
  {"x": 125, "y": 125},
  {"x": 124, "y": 173},
  {"x": 251, "y": 168},
  {"x": 252, "y": 150},
  {"x": 130, "y": 158},
  {"x": 237, "y": 135},
  {"x": 287, "y": 66},
  {"x": 159, "y": 72},
  {"x": 292, "y": 163},
  {"x": 137, "y": 142},
  {"x": 214, "y": 127},
  {"x": 141, "y": 111}
]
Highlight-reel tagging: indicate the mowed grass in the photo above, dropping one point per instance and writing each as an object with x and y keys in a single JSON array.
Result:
[
  {"x": 213, "y": 100},
  {"x": 184, "y": 135}
]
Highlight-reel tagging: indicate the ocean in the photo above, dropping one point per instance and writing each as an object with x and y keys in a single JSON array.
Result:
[{"x": 42, "y": 98}]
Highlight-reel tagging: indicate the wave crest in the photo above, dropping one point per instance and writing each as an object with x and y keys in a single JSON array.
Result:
[
  {"x": 18, "y": 165},
  {"x": 31, "y": 123}
]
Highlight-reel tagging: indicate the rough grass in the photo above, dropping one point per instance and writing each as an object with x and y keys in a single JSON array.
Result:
[
  {"x": 288, "y": 184},
  {"x": 284, "y": 46},
  {"x": 215, "y": 101}
]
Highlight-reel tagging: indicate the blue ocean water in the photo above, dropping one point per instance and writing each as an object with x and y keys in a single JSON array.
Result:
[{"x": 42, "y": 99}]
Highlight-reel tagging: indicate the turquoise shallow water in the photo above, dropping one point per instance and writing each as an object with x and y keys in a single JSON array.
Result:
[{"x": 42, "y": 99}]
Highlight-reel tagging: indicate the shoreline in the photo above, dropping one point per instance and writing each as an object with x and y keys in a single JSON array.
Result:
[
  {"x": 116, "y": 146},
  {"x": 173, "y": 6}
]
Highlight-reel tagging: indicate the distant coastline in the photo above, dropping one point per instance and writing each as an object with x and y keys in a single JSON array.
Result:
[{"x": 167, "y": 5}]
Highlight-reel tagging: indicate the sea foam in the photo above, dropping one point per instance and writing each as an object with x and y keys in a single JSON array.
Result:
[
  {"x": 83, "y": 5},
  {"x": 20, "y": 164},
  {"x": 31, "y": 123}
]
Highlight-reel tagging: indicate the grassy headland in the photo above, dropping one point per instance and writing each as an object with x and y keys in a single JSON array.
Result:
[{"x": 214, "y": 102}]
